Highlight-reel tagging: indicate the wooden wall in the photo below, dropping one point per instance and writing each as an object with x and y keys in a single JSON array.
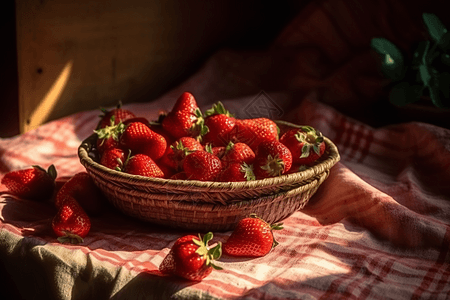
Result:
[{"x": 79, "y": 55}]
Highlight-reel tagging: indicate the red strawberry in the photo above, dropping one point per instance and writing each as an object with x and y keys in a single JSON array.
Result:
[
  {"x": 218, "y": 151},
  {"x": 108, "y": 136},
  {"x": 202, "y": 165},
  {"x": 254, "y": 131},
  {"x": 167, "y": 171},
  {"x": 141, "y": 164},
  {"x": 185, "y": 118},
  {"x": 179, "y": 176},
  {"x": 71, "y": 223},
  {"x": 34, "y": 183},
  {"x": 82, "y": 188},
  {"x": 185, "y": 102},
  {"x": 175, "y": 154},
  {"x": 191, "y": 258},
  {"x": 238, "y": 153},
  {"x": 119, "y": 114},
  {"x": 252, "y": 237},
  {"x": 137, "y": 119},
  {"x": 306, "y": 144},
  {"x": 140, "y": 139},
  {"x": 271, "y": 159},
  {"x": 113, "y": 159},
  {"x": 236, "y": 172},
  {"x": 220, "y": 124}
]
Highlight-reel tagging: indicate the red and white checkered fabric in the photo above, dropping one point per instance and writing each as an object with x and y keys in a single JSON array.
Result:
[{"x": 378, "y": 227}]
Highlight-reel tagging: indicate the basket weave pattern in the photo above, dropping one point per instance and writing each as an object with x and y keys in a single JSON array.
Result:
[{"x": 204, "y": 205}]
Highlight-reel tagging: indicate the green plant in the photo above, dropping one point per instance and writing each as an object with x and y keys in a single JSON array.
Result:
[{"x": 427, "y": 73}]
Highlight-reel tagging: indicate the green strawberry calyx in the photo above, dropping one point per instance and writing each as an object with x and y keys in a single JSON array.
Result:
[
  {"x": 248, "y": 171},
  {"x": 199, "y": 129},
  {"x": 311, "y": 139},
  {"x": 51, "y": 171},
  {"x": 217, "y": 109},
  {"x": 274, "y": 166},
  {"x": 71, "y": 238},
  {"x": 112, "y": 130},
  {"x": 204, "y": 251},
  {"x": 181, "y": 151}
]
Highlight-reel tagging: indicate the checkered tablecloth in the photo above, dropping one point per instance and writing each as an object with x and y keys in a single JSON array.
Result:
[{"x": 377, "y": 228}]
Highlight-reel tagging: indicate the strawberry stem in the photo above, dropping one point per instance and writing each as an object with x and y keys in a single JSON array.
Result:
[{"x": 71, "y": 238}]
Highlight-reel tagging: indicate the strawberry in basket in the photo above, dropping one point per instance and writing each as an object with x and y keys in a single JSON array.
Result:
[
  {"x": 108, "y": 136},
  {"x": 272, "y": 159},
  {"x": 118, "y": 114},
  {"x": 185, "y": 118},
  {"x": 143, "y": 165},
  {"x": 140, "y": 139},
  {"x": 178, "y": 150},
  {"x": 191, "y": 258},
  {"x": 254, "y": 131},
  {"x": 306, "y": 144},
  {"x": 202, "y": 165},
  {"x": 220, "y": 123}
]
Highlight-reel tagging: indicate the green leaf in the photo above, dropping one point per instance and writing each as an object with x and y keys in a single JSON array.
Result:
[
  {"x": 216, "y": 251},
  {"x": 444, "y": 42},
  {"x": 305, "y": 151},
  {"x": 404, "y": 93},
  {"x": 440, "y": 89},
  {"x": 393, "y": 63},
  {"x": 425, "y": 75},
  {"x": 52, "y": 172},
  {"x": 435, "y": 96},
  {"x": 434, "y": 26}
]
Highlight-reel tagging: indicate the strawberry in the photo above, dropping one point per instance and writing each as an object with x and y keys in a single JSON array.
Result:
[
  {"x": 141, "y": 164},
  {"x": 71, "y": 223},
  {"x": 202, "y": 165},
  {"x": 108, "y": 136},
  {"x": 113, "y": 158},
  {"x": 254, "y": 131},
  {"x": 175, "y": 154},
  {"x": 236, "y": 172},
  {"x": 179, "y": 176},
  {"x": 191, "y": 258},
  {"x": 306, "y": 144},
  {"x": 218, "y": 151},
  {"x": 120, "y": 115},
  {"x": 82, "y": 188},
  {"x": 238, "y": 153},
  {"x": 34, "y": 183},
  {"x": 272, "y": 159},
  {"x": 220, "y": 124},
  {"x": 140, "y": 139},
  {"x": 137, "y": 119},
  {"x": 252, "y": 237},
  {"x": 185, "y": 118}
]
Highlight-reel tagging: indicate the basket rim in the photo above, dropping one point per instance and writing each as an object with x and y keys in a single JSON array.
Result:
[{"x": 211, "y": 186}]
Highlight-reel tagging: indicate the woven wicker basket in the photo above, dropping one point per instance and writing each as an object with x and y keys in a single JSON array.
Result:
[{"x": 207, "y": 206}]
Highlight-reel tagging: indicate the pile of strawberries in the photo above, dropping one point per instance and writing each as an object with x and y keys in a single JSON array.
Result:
[
  {"x": 76, "y": 198},
  {"x": 183, "y": 144},
  {"x": 191, "y": 257},
  {"x": 211, "y": 146}
]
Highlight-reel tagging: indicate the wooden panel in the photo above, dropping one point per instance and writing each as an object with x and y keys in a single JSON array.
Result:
[{"x": 79, "y": 55}]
